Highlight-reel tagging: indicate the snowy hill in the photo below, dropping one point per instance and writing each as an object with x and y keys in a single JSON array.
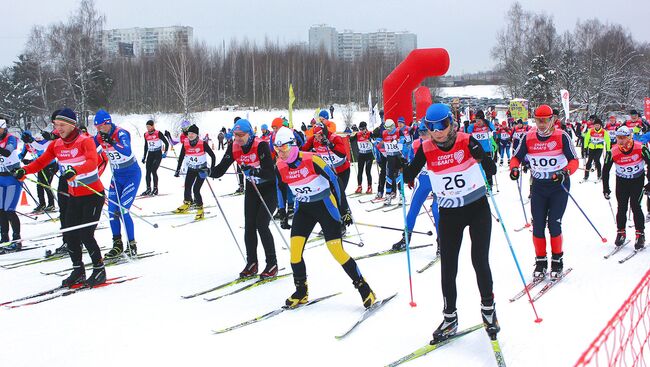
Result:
[{"x": 146, "y": 322}]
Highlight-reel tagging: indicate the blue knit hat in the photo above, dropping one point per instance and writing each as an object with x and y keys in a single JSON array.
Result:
[
  {"x": 66, "y": 115},
  {"x": 438, "y": 116},
  {"x": 244, "y": 126},
  {"x": 401, "y": 119},
  {"x": 102, "y": 117},
  {"x": 264, "y": 127},
  {"x": 324, "y": 114}
]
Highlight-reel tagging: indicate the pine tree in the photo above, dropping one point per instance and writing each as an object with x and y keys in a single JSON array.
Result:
[{"x": 541, "y": 80}]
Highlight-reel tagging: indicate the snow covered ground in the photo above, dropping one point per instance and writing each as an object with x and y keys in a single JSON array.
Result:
[{"x": 146, "y": 322}]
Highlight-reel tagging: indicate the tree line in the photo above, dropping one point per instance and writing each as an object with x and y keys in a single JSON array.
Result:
[{"x": 601, "y": 65}]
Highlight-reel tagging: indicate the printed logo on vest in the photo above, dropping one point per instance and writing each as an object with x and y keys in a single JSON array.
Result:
[{"x": 459, "y": 156}]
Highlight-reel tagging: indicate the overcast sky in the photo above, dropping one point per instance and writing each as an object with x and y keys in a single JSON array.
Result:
[{"x": 467, "y": 29}]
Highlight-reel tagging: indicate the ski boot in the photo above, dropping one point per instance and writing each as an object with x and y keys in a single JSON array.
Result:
[
  {"x": 39, "y": 208},
  {"x": 401, "y": 244},
  {"x": 639, "y": 241},
  {"x": 249, "y": 271},
  {"x": 183, "y": 208},
  {"x": 63, "y": 249},
  {"x": 620, "y": 237},
  {"x": 389, "y": 197},
  {"x": 199, "y": 213},
  {"x": 557, "y": 265},
  {"x": 381, "y": 195},
  {"x": 280, "y": 213},
  {"x": 131, "y": 249},
  {"x": 447, "y": 328},
  {"x": 50, "y": 208},
  {"x": 358, "y": 190},
  {"x": 77, "y": 276},
  {"x": 290, "y": 211},
  {"x": 369, "y": 190},
  {"x": 117, "y": 250},
  {"x": 490, "y": 319},
  {"x": 269, "y": 271},
  {"x": 541, "y": 264},
  {"x": 301, "y": 294},
  {"x": 154, "y": 192},
  {"x": 501, "y": 163},
  {"x": 367, "y": 295},
  {"x": 240, "y": 190},
  {"x": 97, "y": 277},
  {"x": 146, "y": 192}
]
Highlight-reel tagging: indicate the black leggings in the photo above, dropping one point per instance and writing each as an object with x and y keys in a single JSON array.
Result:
[
  {"x": 153, "y": 162},
  {"x": 8, "y": 218},
  {"x": 45, "y": 177},
  {"x": 344, "y": 177},
  {"x": 81, "y": 210},
  {"x": 193, "y": 183},
  {"x": 365, "y": 160},
  {"x": 629, "y": 190},
  {"x": 392, "y": 167},
  {"x": 450, "y": 232},
  {"x": 594, "y": 157},
  {"x": 381, "y": 163},
  {"x": 256, "y": 220}
]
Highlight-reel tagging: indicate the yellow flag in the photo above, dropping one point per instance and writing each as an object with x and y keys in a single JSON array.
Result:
[{"x": 292, "y": 98}]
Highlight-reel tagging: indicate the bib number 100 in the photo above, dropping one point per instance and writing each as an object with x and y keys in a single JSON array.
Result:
[
  {"x": 455, "y": 182},
  {"x": 544, "y": 162}
]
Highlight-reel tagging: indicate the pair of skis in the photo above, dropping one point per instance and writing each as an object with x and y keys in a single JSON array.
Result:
[
  {"x": 109, "y": 262},
  {"x": 537, "y": 281},
  {"x": 364, "y": 316},
  {"x": 626, "y": 258},
  {"x": 61, "y": 292},
  {"x": 431, "y": 346}
]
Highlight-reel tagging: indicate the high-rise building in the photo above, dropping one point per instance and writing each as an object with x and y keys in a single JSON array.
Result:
[
  {"x": 323, "y": 36},
  {"x": 349, "y": 45},
  {"x": 130, "y": 42}
]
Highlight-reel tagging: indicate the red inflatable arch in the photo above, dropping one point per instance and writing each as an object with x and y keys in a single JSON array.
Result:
[
  {"x": 422, "y": 101},
  {"x": 399, "y": 85}
]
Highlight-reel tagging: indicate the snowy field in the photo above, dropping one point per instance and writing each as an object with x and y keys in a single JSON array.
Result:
[
  {"x": 146, "y": 322},
  {"x": 478, "y": 91}
]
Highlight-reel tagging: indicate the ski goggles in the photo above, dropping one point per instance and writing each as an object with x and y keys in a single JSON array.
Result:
[
  {"x": 437, "y": 126},
  {"x": 282, "y": 148},
  {"x": 240, "y": 134}
]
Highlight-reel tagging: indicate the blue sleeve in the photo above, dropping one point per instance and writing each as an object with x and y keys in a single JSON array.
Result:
[
  {"x": 123, "y": 144},
  {"x": 279, "y": 192},
  {"x": 490, "y": 125},
  {"x": 522, "y": 150},
  {"x": 470, "y": 129},
  {"x": 12, "y": 143},
  {"x": 22, "y": 153},
  {"x": 644, "y": 139}
]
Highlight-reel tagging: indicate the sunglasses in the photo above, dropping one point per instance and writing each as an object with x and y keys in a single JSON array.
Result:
[{"x": 282, "y": 148}]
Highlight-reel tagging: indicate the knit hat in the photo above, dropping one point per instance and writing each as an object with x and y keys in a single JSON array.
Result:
[
  {"x": 150, "y": 123},
  {"x": 102, "y": 117},
  {"x": 480, "y": 115},
  {"x": 362, "y": 125},
  {"x": 543, "y": 111},
  {"x": 324, "y": 114},
  {"x": 264, "y": 127},
  {"x": 193, "y": 129},
  {"x": 634, "y": 112},
  {"x": 277, "y": 122},
  {"x": 66, "y": 115},
  {"x": 243, "y": 125},
  {"x": 401, "y": 119}
]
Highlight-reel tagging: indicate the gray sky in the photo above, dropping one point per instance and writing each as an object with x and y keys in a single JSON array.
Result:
[{"x": 467, "y": 29}]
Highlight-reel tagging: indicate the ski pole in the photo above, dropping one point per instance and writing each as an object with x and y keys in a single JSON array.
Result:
[
  {"x": 611, "y": 209},
  {"x": 512, "y": 250},
  {"x": 226, "y": 219},
  {"x": 521, "y": 199},
  {"x": 286, "y": 245},
  {"x": 583, "y": 213},
  {"x": 32, "y": 196},
  {"x": 155, "y": 225},
  {"x": 27, "y": 215},
  {"x": 47, "y": 235},
  {"x": 408, "y": 247},
  {"x": 429, "y": 233}
]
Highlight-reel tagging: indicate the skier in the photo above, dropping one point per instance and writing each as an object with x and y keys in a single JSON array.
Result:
[
  {"x": 36, "y": 145},
  {"x": 504, "y": 136},
  {"x": 153, "y": 155},
  {"x": 318, "y": 195},
  {"x": 266, "y": 134},
  {"x": 197, "y": 170},
  {"x": 552, "y": 159},
  {"x": 10, "y": 188},
  {"x": 481, "y": 131},
  {"x": 596, "y": 140},
  {"x": 253, "y": 155},
  {"x": 331, "y": 149},
  {"x": 518, "y": 133},
  {"x": 77, "y": 157},
  {"x": 365, "y": 157},
  {"x": 631, "y": 158},
  {"x": 421, "y": 191},
  {"x": 452, "y": 159},
  {"x": 406, "y": 140},
  {"x": 390, "y": 138},
  {"x": 124, "y": 183}
]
